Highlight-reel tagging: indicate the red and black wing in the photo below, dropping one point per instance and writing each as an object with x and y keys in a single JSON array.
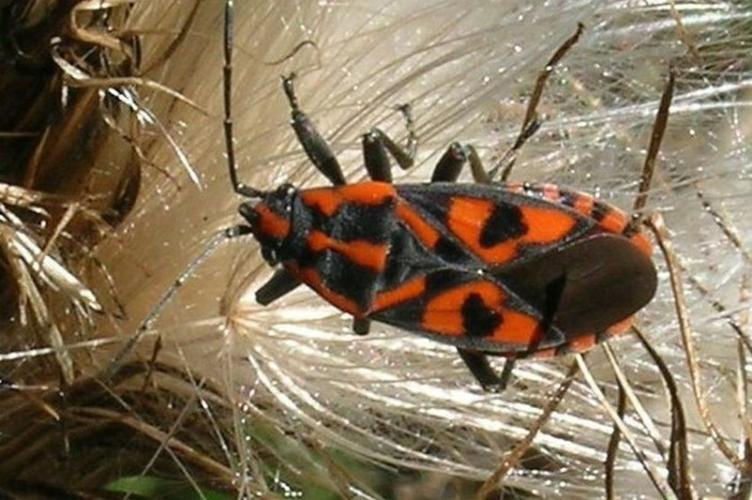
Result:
[
  {"x": 511, "y": 274},
  {"x": 494, "y": 225}
]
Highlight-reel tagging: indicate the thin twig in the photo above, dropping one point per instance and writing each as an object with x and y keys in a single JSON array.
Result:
[
  {"x": 613, "y": 446},
  {"x": 656, "y": 137},
  {"x": 653, "y": 474},
  {"x": 655, "y": 223},
  {"x": 625, "y": 386},
  {"x": 513, "y": 456},
  {"x": 530, "y": 122},
  {"x": 679, "y": 474}
]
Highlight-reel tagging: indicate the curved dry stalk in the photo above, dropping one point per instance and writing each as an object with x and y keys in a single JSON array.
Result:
[
  {"x": 742, "y": 484},
  {"x": 530, "y": 122},
  {"x": 129, "y": 99},
  {"x": 92, "y": 414},
  {"x": 656, "y": 137},
  {"x": 613, "y": 446},
  {"x": 99, "y": 38},
  {"x": 679, "y": 474},
  {"x": 742, "y": 335},
  {"x": 133, "y": 81},
  {"x": 653, "y": 474},
  {"x": 626, "y": 387},
  {"x": 25, "y": 197},
  {"x": 656, "y": 225},
  {"x": 720, "y": 219},
  {"x": 513, "y": 456}
]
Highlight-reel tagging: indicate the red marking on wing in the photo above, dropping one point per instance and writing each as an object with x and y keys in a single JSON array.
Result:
[
  {"x": 311, "y": 277},
  {"x": 641, "y": 241},
  {"x": 467, "y": 218},
  {"x": 620, "y": 327},
  {"x": 582, "y": 343},
  {"x": 614, "y": 220},
  {"x": 514, "y": 187},
  {"x": 545, "y": 353},
  {"x": 443, "y": 315},
  {"x": 546, "y": 225},
  {"x": 407, "y": 291},
  {"x": 328, "y": 200},
  {"x": 425, "y": 232},
  {"x": 551, "y": 192},
  {"x": 583, "y": 203},
  {"x": 363, "y": 253}
]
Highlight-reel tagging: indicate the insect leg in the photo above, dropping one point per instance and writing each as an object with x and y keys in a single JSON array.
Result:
[
  {"x": 317, "y": 149},
  {"x": 375, "y": 156},
  {"x": 281, "y": 283},
  {"x": 361, "y": 326},
  {"x": 376, "y": 144},
  {"x": 450, "y": 164},
  {"x": 476, "y": 166},
  {"x": 477, "y": 363}
]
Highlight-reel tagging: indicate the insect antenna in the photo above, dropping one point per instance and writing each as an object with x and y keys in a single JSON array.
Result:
[
  {"x": 239, "y": 187},
  {"x": 218, "y": 239}
]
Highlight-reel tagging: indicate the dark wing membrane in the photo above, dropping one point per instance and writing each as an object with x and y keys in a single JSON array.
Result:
[
  {"x": 606, "y": 279},
  {"x": 497, "y": 226}
]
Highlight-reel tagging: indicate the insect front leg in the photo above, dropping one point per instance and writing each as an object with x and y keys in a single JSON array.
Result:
[
  {"x": 317, "y": 149},
  {"x": 377, "y": 146},
  {"x": 280, "y": 284}
]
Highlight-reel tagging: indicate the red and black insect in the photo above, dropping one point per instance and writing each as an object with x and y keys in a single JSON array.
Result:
[
  {"x": 494, "y": 269},
  {"x": 511, "y": 269}
]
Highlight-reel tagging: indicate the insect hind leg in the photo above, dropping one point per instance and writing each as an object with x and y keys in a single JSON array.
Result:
[
  {"x": 450, "y": 165},
  {"x": 478, "y": 364},
  {"x": 361, "y": 326}
]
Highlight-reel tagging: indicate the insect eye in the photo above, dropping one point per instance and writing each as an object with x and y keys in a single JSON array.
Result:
[
  {"x": 248, "y": 213},
  {"x": 285, "y": 189}
]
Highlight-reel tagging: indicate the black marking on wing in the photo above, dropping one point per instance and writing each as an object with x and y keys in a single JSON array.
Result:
[
  {"x": 477, "y": 319},
  {"x": 504, "y": 223}
]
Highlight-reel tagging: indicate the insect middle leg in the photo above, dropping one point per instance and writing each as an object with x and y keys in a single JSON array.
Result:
[
  {"x": 377, "y": 146},
  {"x": 450, "y": 165},
  {"x": 478, "y": 364}
]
